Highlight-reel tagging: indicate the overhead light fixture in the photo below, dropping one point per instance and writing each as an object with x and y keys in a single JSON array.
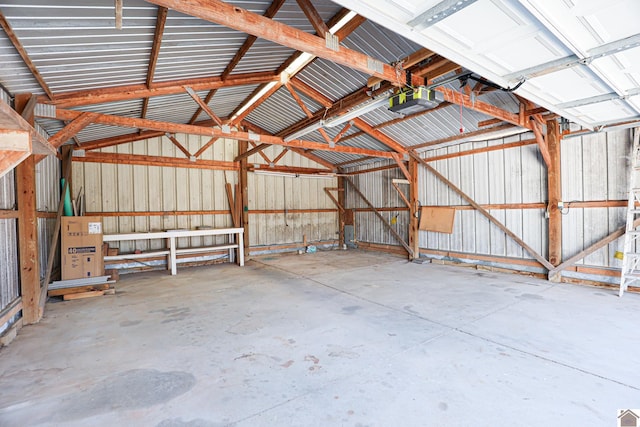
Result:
[
  {"x": 360, "y": 110},
  {"x": 306, "y": 130},
  {"x": 294, "y": 175},
  {"x": 257, "y": 96}
]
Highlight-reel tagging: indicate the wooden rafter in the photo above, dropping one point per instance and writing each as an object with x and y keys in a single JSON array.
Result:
[
  {"x": 145, "y": 160},
  {"x": 203, "y": 105},
  {"x": 251, "y": 152},
  {"x": 249, "y": 41},
  {"x": 72, "y": 129},
  {"x": 133, "y": 122},
  {"x": 344, "y": 130},
  {"x": 161, "y": 19},
  {"x": 279, "y": 157},
  {"x": 314, "y": 17},
  {"x": 403, "y": 168},
  {"x": 240, "y": 19},
  {"x": 128, "y": 92},
  {"x": 378, "y": 135},
  {"x": 24, "y": 55}
]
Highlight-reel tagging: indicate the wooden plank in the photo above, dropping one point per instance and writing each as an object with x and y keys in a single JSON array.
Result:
[
  {"x": 401, "y": 194},
  {"x": 542, "y": 143},
  {"x": 462, "y": 136},
  {"x": 333, "y": 199},
  {"x": 244, "y": 194},
  {"x": 77, "y": 289},
  {"x": 9, "y": 214},
  {"x": 240, "y": 117},
  {"x": 11, "y": 35},
  {"x": 554, "y": 193},
  {"x": 594, "y": 247},
  {"x": 159, "y": 213},
  {"x": 386, "y": 140},
  {"x": 438, "y": 219},
  {"x": 128, "y": 92},
  {"x": 10, "y": 310},
  {"x": 280, "y": 156},
  {"x": 407, "y": 62},
  {"x": 484, "y": 212},
  {"x": 384, "y": 221},
  {"x": 248, "y": 22},
  {"x": 82, "y": 295}
]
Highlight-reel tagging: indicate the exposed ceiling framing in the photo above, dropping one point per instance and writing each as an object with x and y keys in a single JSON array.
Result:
[{"x": 262, "y": 74}]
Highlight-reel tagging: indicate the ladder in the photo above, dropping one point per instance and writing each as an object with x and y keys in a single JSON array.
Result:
[{"x": 631, "y": 260}]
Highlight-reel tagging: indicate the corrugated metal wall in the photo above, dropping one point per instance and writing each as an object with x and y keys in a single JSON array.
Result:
[
  {"x": 511, "y": 176},
  {"x": 9, "y": 284},
  {"x": 377, "y": 188},
  {"x": 268, "y": 193},
  {"x": 47, "y": 199},
  {"x": 594, "y": 168},
  {"x": 134, "y": 188}
]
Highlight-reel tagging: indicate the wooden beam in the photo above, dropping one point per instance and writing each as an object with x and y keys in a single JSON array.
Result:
[
  {"x": 72, "y": 129},
  {"x": 207, "y": 99},
  {"x": 128, "y": 92},
  {"x": 386, "y": 140},
  {"x": 161, "y": 19},
  {"x": 333, "y": 198},
  {"x": 414, "y": 232},
  {"x": 121, "y": 139},
  {"x": 133, "y": 122},
  {"x": 591, "y": 249},
  {"x": 250, "y": 152},
  {"x": 178, "y": 145},
  {"x": 401, "y": 194},
  {"x": 203, "y": 105},
  {"x": 242, "y": 20},
  {"x": 458, "y": 98},
  {"x": 29, "y": 108},
  {"x": 205, "y": 147},
  {"x": 314, "y": 17},
  {"x": 483, "y": 211},
  {"x": 139, "y": 159},
  {"x": 341, "y": 214},
  {"x": 407, "y": 62},
  {"x": 281, "y": 155},
  {"x": 554, "y": 192},
  {"x": 250, "y": 40},
  {"x": 298, "y": 100},
  {"x": 340, "y": 134},
  {"x": 28, "y": 240},
  {"x": 261, "y": 152},
  {"x": 243, "y": 180},
  {"x": 379, "y": 215},
  {"x": 288, "y": 169},
  {"x": 542, "y": 144},
  {"x": 403, "y": 168},
  {"x": 13, "y": 38},
  {"x": 487, "y": 149}
]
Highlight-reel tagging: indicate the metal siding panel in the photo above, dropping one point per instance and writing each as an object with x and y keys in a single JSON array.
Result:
[
  {"x": 9, "y": 282},
  {"x": 8, "y": 190}
]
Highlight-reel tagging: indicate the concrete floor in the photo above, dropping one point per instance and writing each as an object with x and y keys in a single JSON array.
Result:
[{"x": 327, "y": 339}]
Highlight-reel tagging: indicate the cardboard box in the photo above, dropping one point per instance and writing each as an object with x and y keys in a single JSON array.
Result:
[{"x": 81, "y": 247}]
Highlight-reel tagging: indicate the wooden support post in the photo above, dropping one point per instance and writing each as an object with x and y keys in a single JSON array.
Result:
[
  {"x": 341, "y": 212},
  {"x": 28, "y": 231},
  {"x": 554, "y": 181},
  {"x": 414, "y": 240},
  {"x": 244, "y": 192}
]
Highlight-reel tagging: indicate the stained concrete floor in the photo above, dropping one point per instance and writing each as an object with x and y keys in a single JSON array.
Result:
[{"x": 327, "y": 339}]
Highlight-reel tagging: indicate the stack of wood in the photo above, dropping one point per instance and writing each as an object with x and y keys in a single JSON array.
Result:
[{"x": 82, "y": 288}]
